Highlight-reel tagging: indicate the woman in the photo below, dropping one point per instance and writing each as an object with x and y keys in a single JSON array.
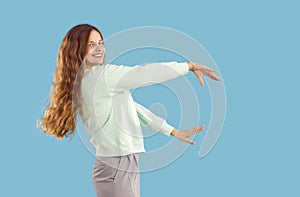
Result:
[{"x": 100, "y": 93}]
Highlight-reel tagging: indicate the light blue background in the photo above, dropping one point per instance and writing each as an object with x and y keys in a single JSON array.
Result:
[{"x": 254, "y": 43}]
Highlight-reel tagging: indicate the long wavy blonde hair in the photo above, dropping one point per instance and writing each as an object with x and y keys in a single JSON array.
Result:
[{"x": 59, "y": 118}]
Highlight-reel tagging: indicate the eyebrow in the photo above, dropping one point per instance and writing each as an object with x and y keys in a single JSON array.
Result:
[{"x": 93, "y": 41}]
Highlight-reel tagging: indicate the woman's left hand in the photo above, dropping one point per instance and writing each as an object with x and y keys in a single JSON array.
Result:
[
  {"x": 200, "y": 70},
  {"x": 184, "y": 135}
]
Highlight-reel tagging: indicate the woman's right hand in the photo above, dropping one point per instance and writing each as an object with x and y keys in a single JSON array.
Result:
[
  {"x": 184, "y": 135},
  {"x": 200, "y": 70}
]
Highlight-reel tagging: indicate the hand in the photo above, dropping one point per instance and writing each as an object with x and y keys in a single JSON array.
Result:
[
  {"x": 201, "y": 70},
  {"x": 184, "y": 135}
]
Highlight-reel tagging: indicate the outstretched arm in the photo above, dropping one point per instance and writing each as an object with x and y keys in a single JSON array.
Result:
[
  {"x": 120, "y": 78},
  {"x": 155, "y": 123},
  {"x": 150, "y": 121}
]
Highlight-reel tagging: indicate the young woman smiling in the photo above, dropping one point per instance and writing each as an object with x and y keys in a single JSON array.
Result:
[{"x": 100, "y": 93}]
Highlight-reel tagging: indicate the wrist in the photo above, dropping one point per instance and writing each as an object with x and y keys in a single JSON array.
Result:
[
  {"x": 174, "y": 132},
  {"x": 191, "y": 66}
]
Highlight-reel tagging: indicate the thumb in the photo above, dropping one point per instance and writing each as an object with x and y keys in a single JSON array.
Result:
[{"x": 188, "y": 141}]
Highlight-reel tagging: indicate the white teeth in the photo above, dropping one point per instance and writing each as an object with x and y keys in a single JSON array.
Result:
[{"x": 98, "y": 55}]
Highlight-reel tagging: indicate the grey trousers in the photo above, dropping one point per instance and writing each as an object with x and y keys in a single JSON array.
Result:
[{"x": 116, "y": 176}]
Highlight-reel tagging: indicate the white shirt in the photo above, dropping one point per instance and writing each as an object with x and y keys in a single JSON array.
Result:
[{"x": 109, "y": 112}]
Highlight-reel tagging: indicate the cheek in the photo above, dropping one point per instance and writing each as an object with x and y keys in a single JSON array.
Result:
[
  {"x": 88, "y": 57},
  {"x": 89, "y": 51}
]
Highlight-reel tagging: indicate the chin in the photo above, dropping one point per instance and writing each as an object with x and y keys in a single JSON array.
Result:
[
  {"x": 98, "y": 62},
  {"x": 101, "y": 62}
]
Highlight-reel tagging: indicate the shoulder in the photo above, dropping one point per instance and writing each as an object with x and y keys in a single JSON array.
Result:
[{"x": 116, "y": 69}]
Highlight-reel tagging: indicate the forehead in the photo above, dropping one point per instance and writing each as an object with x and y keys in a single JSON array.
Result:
[{"x": 94, "y": 36}]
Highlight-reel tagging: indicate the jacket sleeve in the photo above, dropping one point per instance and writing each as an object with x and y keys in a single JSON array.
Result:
[
  {"x": 150, "y": 121},
  {"x": 120, "y": 78}
]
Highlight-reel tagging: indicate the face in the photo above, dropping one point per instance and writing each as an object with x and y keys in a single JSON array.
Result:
[{"x": 96, "y": 50}]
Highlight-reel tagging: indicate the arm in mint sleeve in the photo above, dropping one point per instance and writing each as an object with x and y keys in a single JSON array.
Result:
[
  {"x": 150, "y": 121},
  {"x": 120, "y": 78}
]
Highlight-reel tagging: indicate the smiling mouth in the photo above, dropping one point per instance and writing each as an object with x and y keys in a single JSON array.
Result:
[{"x": 98, "y": 55}]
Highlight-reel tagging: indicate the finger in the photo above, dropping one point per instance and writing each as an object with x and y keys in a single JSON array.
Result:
[
  {"x": 211, "y": 70},
  {"x": 215, "y": 77},
  {"x": 190, "y": 141},
  {"x": 194, "y": 130},
  {"x": 199, "y": 76},
  {"x": 201, "y": 81},
  {"x": 200, "y": 127}
]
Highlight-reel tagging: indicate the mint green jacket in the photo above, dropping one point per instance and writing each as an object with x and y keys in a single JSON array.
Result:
[{"x": 110, "y": 114}]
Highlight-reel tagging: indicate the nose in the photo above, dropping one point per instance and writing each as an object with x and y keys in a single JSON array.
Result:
[{"x": 99, "y": 47}]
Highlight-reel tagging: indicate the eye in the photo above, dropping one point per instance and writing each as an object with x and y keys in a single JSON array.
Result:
[
  {"x": 101, "y": 43},
  {"x": 91, "y": 44}
]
